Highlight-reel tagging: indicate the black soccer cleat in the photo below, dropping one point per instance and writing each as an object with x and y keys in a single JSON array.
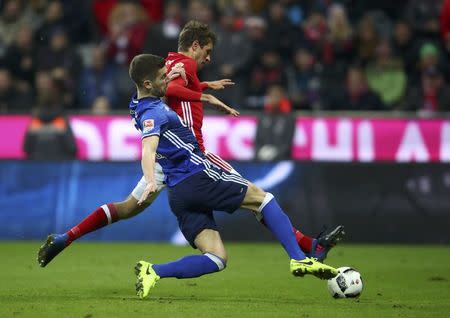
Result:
[
  {"x": 54, "y": 245},
  {"x": 327, "y": 241}
]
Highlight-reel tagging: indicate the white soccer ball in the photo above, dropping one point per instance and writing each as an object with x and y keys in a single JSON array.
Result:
[{"x": 347, "y": 284}]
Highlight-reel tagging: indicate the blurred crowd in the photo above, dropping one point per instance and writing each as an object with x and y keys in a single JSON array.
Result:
[{"x": 285, "y": 55}]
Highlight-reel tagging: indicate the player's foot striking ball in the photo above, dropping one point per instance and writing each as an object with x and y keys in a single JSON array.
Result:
[{"x": 311, "y": 266}]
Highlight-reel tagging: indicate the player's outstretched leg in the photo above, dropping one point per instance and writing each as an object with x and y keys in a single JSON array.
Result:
[
  {"x": 190, "y": 266},
  {"x": 101, "y": 217},
  {"x": 280, "y": 225},
  {"x": 56, "y": 243},
  {"x": 325, "y": 242}
]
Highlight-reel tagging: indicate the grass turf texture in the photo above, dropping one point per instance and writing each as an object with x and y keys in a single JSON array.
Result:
[{"x": 97, "y": 280}]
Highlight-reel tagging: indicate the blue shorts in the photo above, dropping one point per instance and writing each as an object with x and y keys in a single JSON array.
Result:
[{"x": 194, "y": 199}]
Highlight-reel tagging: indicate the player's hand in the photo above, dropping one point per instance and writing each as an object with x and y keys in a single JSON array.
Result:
[
  {"x": 149, "y": 189},
  {"x": 219, "y": 104},
  {"x": 177, "y": 71},
  {"x": 220, "y": 84}
]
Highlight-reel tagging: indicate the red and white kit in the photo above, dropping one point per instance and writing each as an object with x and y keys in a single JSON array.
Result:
[{"x": 184, "y": 98}]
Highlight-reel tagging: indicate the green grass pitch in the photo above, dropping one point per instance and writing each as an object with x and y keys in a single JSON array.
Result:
[{"x": 91, "y": 280}]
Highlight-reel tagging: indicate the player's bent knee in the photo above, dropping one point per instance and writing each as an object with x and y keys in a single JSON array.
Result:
[
  {"x": 220, "y": 262},
  {"x": 253, "y": 198}
]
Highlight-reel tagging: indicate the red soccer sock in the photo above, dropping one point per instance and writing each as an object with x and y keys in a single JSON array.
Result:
[
  {"x": 102, "y": 216},
  {"x": 305, "y": 242}
]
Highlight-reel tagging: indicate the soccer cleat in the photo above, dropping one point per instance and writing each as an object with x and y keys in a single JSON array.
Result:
[
  {"x": 146, "y": 278},
  {"x": 54, "y": 245},
  {"x": 327, "y": 242},
  {"x": 312, "y": 267}
]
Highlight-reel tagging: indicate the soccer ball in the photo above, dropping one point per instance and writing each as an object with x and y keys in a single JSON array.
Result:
[{"x": 347, "y": 284}]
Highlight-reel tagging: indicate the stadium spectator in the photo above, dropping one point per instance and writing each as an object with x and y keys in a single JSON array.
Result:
[
  {"x": 334, "y": 35},
  {"x": 276, "y": 101},
  {"x": 52, "y": 92},
  {"x": 430, "y": 57},
  {"x": 49, "y": 137},
  {"x": 405, "y": 46},
  {"x": 21, "y": 59},
  {"x": 432, "y": 95},
  {"x": 268, "y": 71},
  {"x": 230, "y": 59},
  {"x": 367, "y": 39},
  {"x": 101, "y": 9},
  {"x": 201, "y": 11},
  {"x": 356, "y": 94},
  {"x": 63, "y": 62},
  {"x": 303, "y": 80},
  {"x": 53, "y": 21},
  {"x": 280, "y": 33},
  {"x": 386, "y": 76},
  {"x": 295, "y": 12},
  {"x": 337, "y": 51},
  {"x": 13, "y": 16},
  {"x": 256, "y": 28},
  {"x": 98, "y": 80},
  {"x": 60, "y": 54},
  {"x": 78, "y": 21},
  {"x": 315, "y": 30},
  {"x": 423, "y": 15},
  {"x": 101, "y": 106},
  {"x": 11, "y": 100},
  {"x": 163, "y": 37},
  {"x": 127, "y": 26}
]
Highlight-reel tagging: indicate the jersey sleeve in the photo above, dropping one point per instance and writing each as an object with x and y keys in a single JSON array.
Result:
[
  {"x": 152, "y": 122},
  {"x": 177, "y": 89}
]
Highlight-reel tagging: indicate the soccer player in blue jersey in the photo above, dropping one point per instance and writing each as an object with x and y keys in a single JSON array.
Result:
[{"x": 196, "y": 187}]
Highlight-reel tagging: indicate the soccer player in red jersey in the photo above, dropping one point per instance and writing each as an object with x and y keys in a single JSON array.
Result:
[{"x": 185, "y": 96}]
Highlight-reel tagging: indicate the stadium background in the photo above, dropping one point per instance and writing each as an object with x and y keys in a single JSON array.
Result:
[
  {"x": 344, "y": 112},
  {"x": 344, "y": 118}
]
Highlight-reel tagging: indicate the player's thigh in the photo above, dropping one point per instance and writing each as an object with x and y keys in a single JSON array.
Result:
[
  {"x": 140, "y": 187},
  {"x": 253, "y": 198},
  {"x": 209, "y": 241},
  {"x": 129, "y": 207}
]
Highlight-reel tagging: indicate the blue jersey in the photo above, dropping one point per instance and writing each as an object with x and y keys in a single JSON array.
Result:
[{"x": 178, "y": 152}]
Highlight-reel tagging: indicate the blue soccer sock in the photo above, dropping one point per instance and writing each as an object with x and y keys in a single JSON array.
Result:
[
  {"x": 280, "y": 225},
  {"x": 191, "y": 266}
]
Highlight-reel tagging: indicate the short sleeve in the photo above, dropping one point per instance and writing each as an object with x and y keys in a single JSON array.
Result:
[{"x": 152, "y": 122}]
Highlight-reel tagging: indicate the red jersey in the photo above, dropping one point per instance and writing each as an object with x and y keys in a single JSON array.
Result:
[{"x": 190, "y": 111}]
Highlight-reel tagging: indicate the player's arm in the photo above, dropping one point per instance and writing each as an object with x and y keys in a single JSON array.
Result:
[
  {"x": 219, "y": 105},
  {"x": 176, "y": 88},
  {"x": 149, "y": 146},
  {"x": 216, "y": 85}
]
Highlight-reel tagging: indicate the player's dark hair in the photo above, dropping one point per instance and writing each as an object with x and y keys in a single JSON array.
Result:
[
  {"x": 145, "y": 67},
  {"x": 195, "y": 31}
]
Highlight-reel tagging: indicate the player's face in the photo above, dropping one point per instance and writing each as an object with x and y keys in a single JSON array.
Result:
[
  {"x": 203, "y": 55},
  {"x": 159, "y": 85}
]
